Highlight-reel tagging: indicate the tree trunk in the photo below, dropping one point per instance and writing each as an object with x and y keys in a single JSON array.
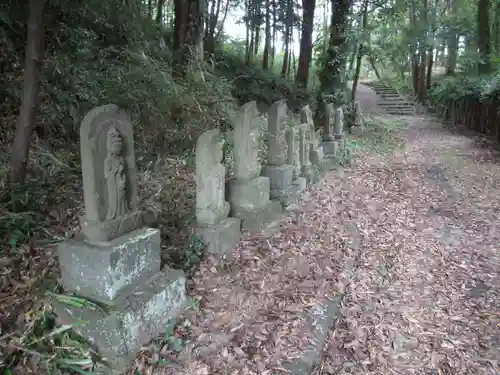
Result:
[
  {"x": 27, "y": 113},
  {"x": 212, "y": 21},
  {"x": 359, "y": 58},
  {"x": 430, "y": 48},
  {"x": 150, "y": 8},
  {"x": 374, "y": 67},
  {"x": 496, "y": 29},
  {"x": 257, "y": 23},
  {"x": 222, "y": 22},
  {"x": 484, "y": 44},
  {"x": 306, "y": 42},
  {"x": 198, "y": 24},
  {"x": 159, "y": 11},
  {"x": 286, "y": 57},
  {"x": 249, "y": 31},
  {"x": 188, "y": 32},
  {"x": 275, "y": 23},
  {"x": 332, "y": 74},
  {"x": 267, "y": 42},
  {"x": 414, "y": 48}
]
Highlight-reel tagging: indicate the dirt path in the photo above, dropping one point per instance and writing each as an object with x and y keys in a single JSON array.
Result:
[{"x": 425, "y": 296}]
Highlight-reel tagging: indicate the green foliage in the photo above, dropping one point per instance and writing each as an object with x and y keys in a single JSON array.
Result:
[
  {"x": 381, "y": 135},
  {"x": 58, "y": 348},
  {"x": 252, "y": 82},
  {"x": 483, "y": 88}
]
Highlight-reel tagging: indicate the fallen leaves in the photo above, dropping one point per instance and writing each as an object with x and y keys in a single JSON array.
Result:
[{"x": 424, "y": 297}]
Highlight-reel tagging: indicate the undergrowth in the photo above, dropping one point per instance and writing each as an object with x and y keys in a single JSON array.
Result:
[
  {"x": 94, "y": 56},
  {"x": 381, "y": 135}
]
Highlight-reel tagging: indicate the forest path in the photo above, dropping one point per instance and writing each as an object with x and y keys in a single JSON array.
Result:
[{"x": 425, "y": 294}]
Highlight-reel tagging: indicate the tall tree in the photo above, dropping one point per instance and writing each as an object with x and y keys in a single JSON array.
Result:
[
  {"x": 332, "y": 74},
  {"x": 305, "y": 55},
  {"x": 29, "y": 104},
  {"x": 188, "y": 33},
  {"x": 287, "y": 34},
  {"x": 359, "y": 57},
  {"x": 484, "y": 43},
  {"x": 267, "y": 40}
]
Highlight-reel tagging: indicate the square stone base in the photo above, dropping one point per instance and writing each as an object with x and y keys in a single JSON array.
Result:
[
  {"x": 135, "y": 319},
  {"x": 330, "y": 148},
  {"x": 279, "y": 176},
  {"x": 102, "y": 273},
  {"x": 316, "y": 156},
  {"x": 249, "y": 194},
  {"x": 101, "y": 232},
  {"x": 293, "y": 193},
  {"x": 257, "y": 219},
  {"x": 306, "y": 172},
  {"x": 222, "y": 237}
]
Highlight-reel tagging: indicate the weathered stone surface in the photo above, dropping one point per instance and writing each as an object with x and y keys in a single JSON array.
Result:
[
  {"x": 135, "y": 319},
  {"x": 329, "y": 148},
  {"x": 328, "y": 122},
  {"x": 339, "y": 123},
  {"x": 249, "y": 194},
  {"x": 221, "y": 238},
  {"x": 293, "y": 193},
  {"x": 280, "y": 177},
  {"x": 246, "y": 144},
  {"x": 211, "y": 206},
  {"x": 103, "y": 273},
  {"x": 258, "y": 219},
  {"x": 109, "y": 175},
  {"x": 304, "y": 148},
  {"x": 276, "y": 141},
  {"x": 293, "y": 155},
  {"x": 316, "y": 156},
  {"x": 318, "y": 323},
  {"x": 359, "y": 121}
]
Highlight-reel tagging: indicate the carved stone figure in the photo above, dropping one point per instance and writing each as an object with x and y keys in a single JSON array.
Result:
[
  {"x": 306, "y": 117},
  {"x": 115, "y": 175},
  {"x": 358, "y": 115},
  {"x": 109, "y": 175},
  {"x": 277, "y": 146},
  {"x": 211, "y": 207},
  {"x": 293, "y": 154},
  {"x": 339, "y": 123},
  {"x": 328, "y": 122},
  {"x": 246, "y": 144}
]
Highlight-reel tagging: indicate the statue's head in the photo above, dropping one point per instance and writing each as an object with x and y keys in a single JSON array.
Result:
[{"x": 114, "y": 141}]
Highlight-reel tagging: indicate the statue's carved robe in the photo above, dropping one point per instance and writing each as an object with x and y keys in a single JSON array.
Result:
[{"x": 114, "y": 172}]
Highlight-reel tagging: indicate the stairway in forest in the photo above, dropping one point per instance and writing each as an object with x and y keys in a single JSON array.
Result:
[{"x": 390, "y": 100}]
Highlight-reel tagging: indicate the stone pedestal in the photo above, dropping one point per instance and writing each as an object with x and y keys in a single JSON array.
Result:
[
  {"x": 124, "y": 276},
  {"x": 250, "y": 203},
  {"x": 293, "y": 193},
  {"x": 330, "y": 148},
  {"x": 133, "y": 321},
  {"x": 307, "y": 173},
  {"x": 280, "y": 178},
  {"x": 317, "y": 156},
  {"x": 221, "y": 238}
]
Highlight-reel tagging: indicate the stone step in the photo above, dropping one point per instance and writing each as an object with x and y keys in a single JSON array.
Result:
[{"x": 395, "y": 105}]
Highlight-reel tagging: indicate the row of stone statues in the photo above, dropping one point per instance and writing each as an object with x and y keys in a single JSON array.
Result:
[
  {"x": 259, "y": 191},
  {"x": 117, "y": 259}
]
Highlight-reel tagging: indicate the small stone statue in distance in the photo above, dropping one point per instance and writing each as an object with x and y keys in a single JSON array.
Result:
[
  {"x": 211, "y": 207},
  {"x": 115, "y": 174}
]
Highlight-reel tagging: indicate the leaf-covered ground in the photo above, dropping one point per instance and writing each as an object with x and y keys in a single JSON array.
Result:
[{"x": 425, "y": 296}]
